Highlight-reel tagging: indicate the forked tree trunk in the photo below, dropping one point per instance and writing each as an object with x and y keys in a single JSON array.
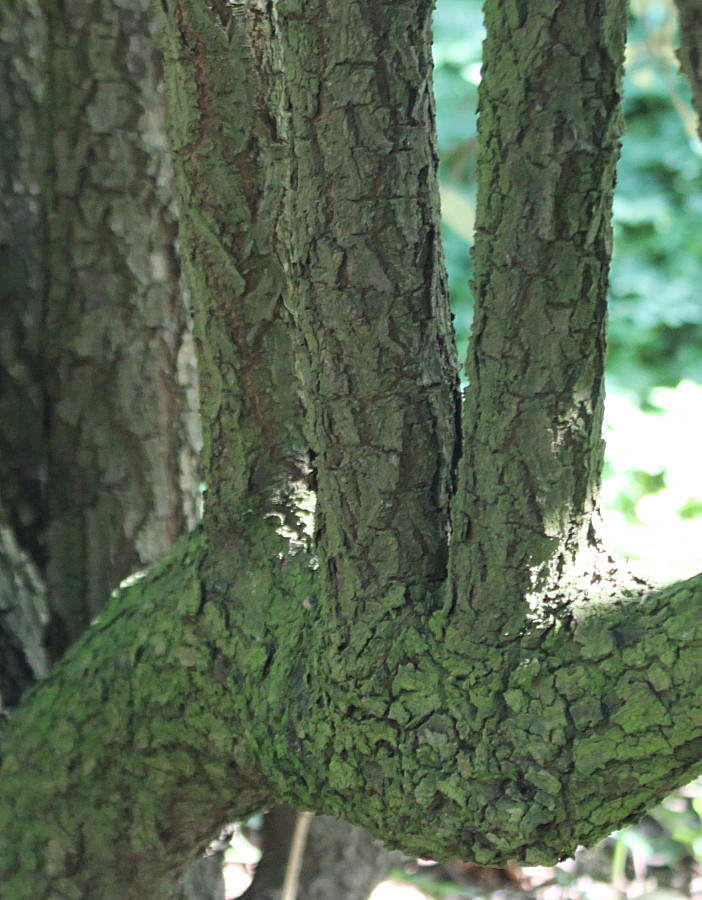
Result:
[{"x": 451, "y": 659}]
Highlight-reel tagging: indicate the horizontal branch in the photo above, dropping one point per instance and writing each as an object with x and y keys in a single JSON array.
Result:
[
  {"x": 180, "y": 710},
  {"x": 447, "y": 745},
  {"x": 130, "y": 754}
]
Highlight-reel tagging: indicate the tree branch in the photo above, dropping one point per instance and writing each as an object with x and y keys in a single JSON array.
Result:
[
  {"x": 690, "y": 53},
  {"x": 224, "y": 91},
  {"x": 374, "y": 343},
  {"x": 549, "y": 126},
  {"x": 448, "y": 733},
  {"x": 132, "y": 750}
]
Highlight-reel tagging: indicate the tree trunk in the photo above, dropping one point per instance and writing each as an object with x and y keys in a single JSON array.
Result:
[
  {"x": 23, "y": 618},
  {"x": 22, "y": 246},
  {"x": 690, "y": 52},
  {"x": 118, "y": 361},
  {"x": 460, "y": 669}
]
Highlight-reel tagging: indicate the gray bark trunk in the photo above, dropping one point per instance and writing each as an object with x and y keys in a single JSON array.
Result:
[
  {"x": 690, "y": 52},
  {"x": 23, "y": 156},
  {"x": 534, "y": 698},
  {"x": 23, "y": 618},
  {"x": 118, "y": 360}
]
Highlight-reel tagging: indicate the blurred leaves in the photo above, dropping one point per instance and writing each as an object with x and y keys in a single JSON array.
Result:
[
  {"x": 655, "y": 334},
  {"x": 655, "y": 319}
]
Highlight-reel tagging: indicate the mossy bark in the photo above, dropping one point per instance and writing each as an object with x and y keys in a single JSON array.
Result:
[{"x": 492, "y": 690}]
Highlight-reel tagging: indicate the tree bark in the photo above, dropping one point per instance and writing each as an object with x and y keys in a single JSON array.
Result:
[
  {"x": 22, "y": 246},
  {"x": 118, "y": 360},
  {"x": 526, "y": 700},
  {"x": 690, "y": 52},
  {"x": 23, "y": 617},
  {"x": 550, "y": 122}
]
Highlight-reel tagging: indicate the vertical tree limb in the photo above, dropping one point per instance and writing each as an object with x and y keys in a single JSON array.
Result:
[
  {"x": 690, "y": 52},
  {"x": 549, "y": 123},
  {"x": 375, "y": 347}
]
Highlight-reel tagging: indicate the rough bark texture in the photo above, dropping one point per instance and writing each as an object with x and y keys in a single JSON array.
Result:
[
  {"x": 550, "y": 123},
  {"x": 690, "y": 52},
  {"x": 182, "y": 770},
  {"x": 23, "y": 618},
  {"x": 22, "y": 161},
  {"x": 230, "y": 164},
  {"x": 533, "y": 700},
  {"x": 369, "y": 301},
  {"x": 118, "y": 358}
]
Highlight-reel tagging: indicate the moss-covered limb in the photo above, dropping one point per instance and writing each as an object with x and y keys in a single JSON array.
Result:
[
  {"x": 690, "y": 52},
  {"x": 23, "y": 618},
  {"x": 179, "y": 708},
  {"x": 134, "y": 750},
  {"x": 223, "y": 98},
  {"x": 524, "y": 752},
  {"x": 368, "y": 295},
  {"x": 22, "y": 162},
  {"x": 549, "y": 131},
  {"x": 122, "y": 479}
]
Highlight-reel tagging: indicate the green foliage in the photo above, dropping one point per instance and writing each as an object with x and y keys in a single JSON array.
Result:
[
  {"x": 458, "y": 37},
  {"x": 655, "y": 326},
  {"x": 656, "y": 310}
]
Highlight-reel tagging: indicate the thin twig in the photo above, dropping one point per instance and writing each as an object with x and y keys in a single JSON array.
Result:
[{"x": 297, "y": 852}]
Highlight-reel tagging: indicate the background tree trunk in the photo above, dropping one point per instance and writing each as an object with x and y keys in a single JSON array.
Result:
[
  {"x": 118, "y": 361},
  {"x": 23, "y": 155},
  {"x": 117, "y": 401},
  {"x": 23, "y": 618},
  {"x": 340, "y": 860}
]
